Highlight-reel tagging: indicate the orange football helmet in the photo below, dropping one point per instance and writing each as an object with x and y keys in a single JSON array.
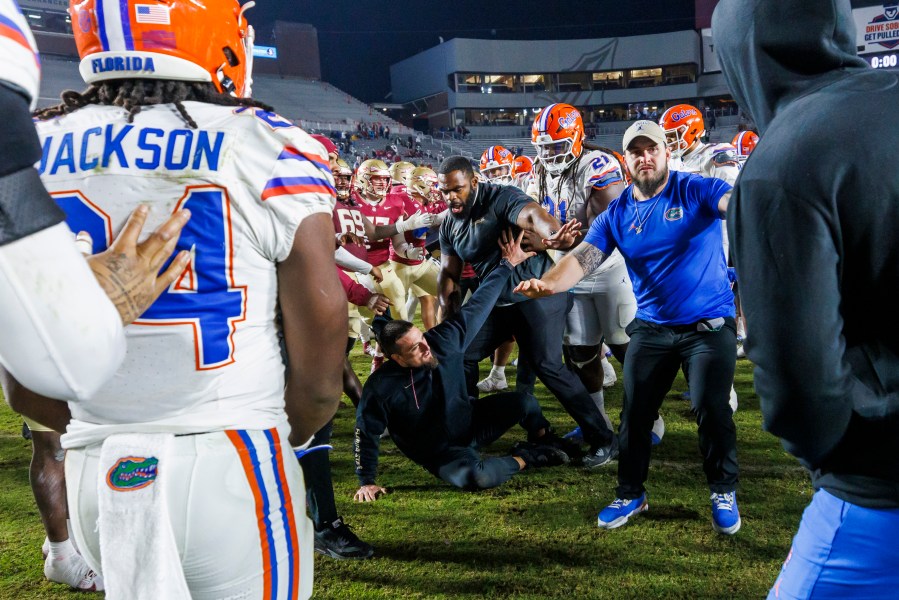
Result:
[
  {"x": 373, "y": 178},
  {"x": 182, "y": 40},
  {"x": 683, "y": 126},
  {"x": 558, "y": 136},
  {"x": 423, "y": 182},
  {"x": 497, "y": 164},
  {"x": 342, "y": 175},
  {"x": 745, "y": 142},
  {"x": 523, "y": 165}
]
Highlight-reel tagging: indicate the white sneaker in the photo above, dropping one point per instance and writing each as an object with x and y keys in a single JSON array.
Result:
[
  {"x": 741, "y": 353},
  {"x": 74, "y": 572},
  {"x": 658, "y": 431},
  {"x": 733, "y": 399},
  {"x": 493, "y": 384},
  {"x": 609, "y": 377}
]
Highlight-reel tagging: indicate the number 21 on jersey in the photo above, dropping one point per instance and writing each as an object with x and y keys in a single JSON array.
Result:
[{"x": 205, "y": 297}]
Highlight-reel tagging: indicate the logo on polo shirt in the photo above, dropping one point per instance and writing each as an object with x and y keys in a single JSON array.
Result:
[{"x": 674, "y": 214}]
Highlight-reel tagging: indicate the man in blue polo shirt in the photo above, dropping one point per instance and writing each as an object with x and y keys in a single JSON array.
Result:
[{"x": 667, "y": 227}]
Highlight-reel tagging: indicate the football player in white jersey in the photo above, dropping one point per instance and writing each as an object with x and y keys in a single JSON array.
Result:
[
  {"x": 62, "y": 349},
  {"x": 497, "y": 165},
  {"x": 62, "y": 335},
  {"x": 521, "y": 172},
  {"x": 684, "y": 127},
  {"x": 196, "y": 428},
  {"x": 573, "y": 181}
]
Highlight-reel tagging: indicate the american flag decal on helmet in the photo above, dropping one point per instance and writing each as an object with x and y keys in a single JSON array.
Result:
[{"x": 152, "y": 13}]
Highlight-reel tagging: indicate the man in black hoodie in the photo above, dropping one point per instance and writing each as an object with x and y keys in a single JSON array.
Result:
[{"x": 813, "y": 226}]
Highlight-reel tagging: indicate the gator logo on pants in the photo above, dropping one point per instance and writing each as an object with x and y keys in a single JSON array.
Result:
[{"x": 132, "y": 473}]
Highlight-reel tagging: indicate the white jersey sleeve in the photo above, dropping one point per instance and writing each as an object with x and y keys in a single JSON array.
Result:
[
  {"x": 722, "y": 163},
  {"x": 206, "y": 355},
  {"x": 62, "y": 337},
  {"x": 21, "y": 66}
]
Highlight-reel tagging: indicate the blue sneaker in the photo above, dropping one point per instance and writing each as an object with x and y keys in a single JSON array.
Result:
[
  {"x": 685, "y": 395},
  {"x": 725, "y": 514},
  {"x": 618, "y": 512},
  {"x": 575, "y": 435}
]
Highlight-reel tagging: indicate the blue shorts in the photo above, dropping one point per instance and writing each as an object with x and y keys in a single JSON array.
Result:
[{"x": 841, "y": 551}]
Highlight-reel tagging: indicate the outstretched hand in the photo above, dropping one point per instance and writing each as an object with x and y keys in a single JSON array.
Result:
[
  {"x": 565, "y": 237},
  {"x": 128, "y": 271},
  {"x": 510, "y": 246},
  {"x": 533, "y": 288}
]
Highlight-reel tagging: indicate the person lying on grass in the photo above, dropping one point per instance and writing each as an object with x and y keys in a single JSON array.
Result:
[{"x": 420, "y": 394}]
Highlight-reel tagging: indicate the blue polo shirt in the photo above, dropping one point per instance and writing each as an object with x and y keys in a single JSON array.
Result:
[{"x": 676, "y": 261}]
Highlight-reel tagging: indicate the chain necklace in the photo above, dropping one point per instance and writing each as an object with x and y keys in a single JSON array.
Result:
[{"x": 642, "y": 222}]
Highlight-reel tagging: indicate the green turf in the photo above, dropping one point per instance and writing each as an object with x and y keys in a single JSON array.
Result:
[{"x": 534, "y": 537}]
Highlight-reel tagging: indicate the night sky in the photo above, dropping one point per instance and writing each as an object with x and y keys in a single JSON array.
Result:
[{"x": 360, "y": 39}]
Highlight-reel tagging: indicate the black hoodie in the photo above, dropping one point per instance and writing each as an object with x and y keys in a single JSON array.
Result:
[{"x": 814, "y": 228}]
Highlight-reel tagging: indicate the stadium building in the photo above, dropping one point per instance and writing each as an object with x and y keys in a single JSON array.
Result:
[{"x": 490, "y": 89}]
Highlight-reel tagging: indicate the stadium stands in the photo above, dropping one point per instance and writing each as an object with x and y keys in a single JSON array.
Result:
[{"x": 316, "y": 104}]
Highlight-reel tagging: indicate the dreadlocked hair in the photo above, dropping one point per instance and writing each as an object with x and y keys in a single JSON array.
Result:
[{"x": 134, "y": 94}]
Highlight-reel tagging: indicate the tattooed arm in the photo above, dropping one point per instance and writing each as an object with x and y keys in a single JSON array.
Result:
[{"x": 574, "y": 266}]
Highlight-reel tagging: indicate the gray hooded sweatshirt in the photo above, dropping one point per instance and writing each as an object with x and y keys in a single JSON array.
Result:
[{"x": 814, "y": 229}]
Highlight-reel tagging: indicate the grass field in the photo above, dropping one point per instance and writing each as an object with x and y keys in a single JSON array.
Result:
[{"x": 534, "y": 537}]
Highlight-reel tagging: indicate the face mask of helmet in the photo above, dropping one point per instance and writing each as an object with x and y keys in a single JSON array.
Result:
[{"x": 554, "y": 155}]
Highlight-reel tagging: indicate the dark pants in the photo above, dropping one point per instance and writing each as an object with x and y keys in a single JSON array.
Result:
[
  {"x": 492, "y": 416},
  {"x": 319, "y": 487},
  {"x": 653, "y": 357},
  {"x": 538, "y": 326}
]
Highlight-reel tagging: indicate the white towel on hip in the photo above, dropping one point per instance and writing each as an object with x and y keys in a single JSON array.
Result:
[{"x": 139, "y": 555}]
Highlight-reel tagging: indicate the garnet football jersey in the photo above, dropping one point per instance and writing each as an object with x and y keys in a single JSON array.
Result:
[{"x": 387, "y": 211}]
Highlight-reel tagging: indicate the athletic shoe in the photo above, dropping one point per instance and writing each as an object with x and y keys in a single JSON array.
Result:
[
  {"x": 74, "y": 572},
  {"x": 536, "y": 456},
  {"x": 369, "y": 348},
  {"x": 26, "y": 431},
  {"x": 601, "y": 455},
  {"x": 686, "y": 396},
  {"x": 733, "y": 399},
  {"x": 337, "y": 540},
  {"x": 576, "y": 436},
  {"x": 618, "y": 512},
  {"x": 493, "y": 384},
  {"x": 609, "y": 376},
  {"x": 658, "y": 431},
  {"x": 376, "y": 362},
  {"x": 725, "y": 514},
  {"x": 741, "y": 351},
  {"x": 568, "y": 446}
]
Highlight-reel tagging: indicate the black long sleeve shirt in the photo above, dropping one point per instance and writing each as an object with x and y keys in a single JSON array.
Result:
[{"x": 427, "y": 410}]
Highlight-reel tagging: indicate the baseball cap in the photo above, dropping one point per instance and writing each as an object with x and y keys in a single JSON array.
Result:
[{"x": 644, "y": 128}]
